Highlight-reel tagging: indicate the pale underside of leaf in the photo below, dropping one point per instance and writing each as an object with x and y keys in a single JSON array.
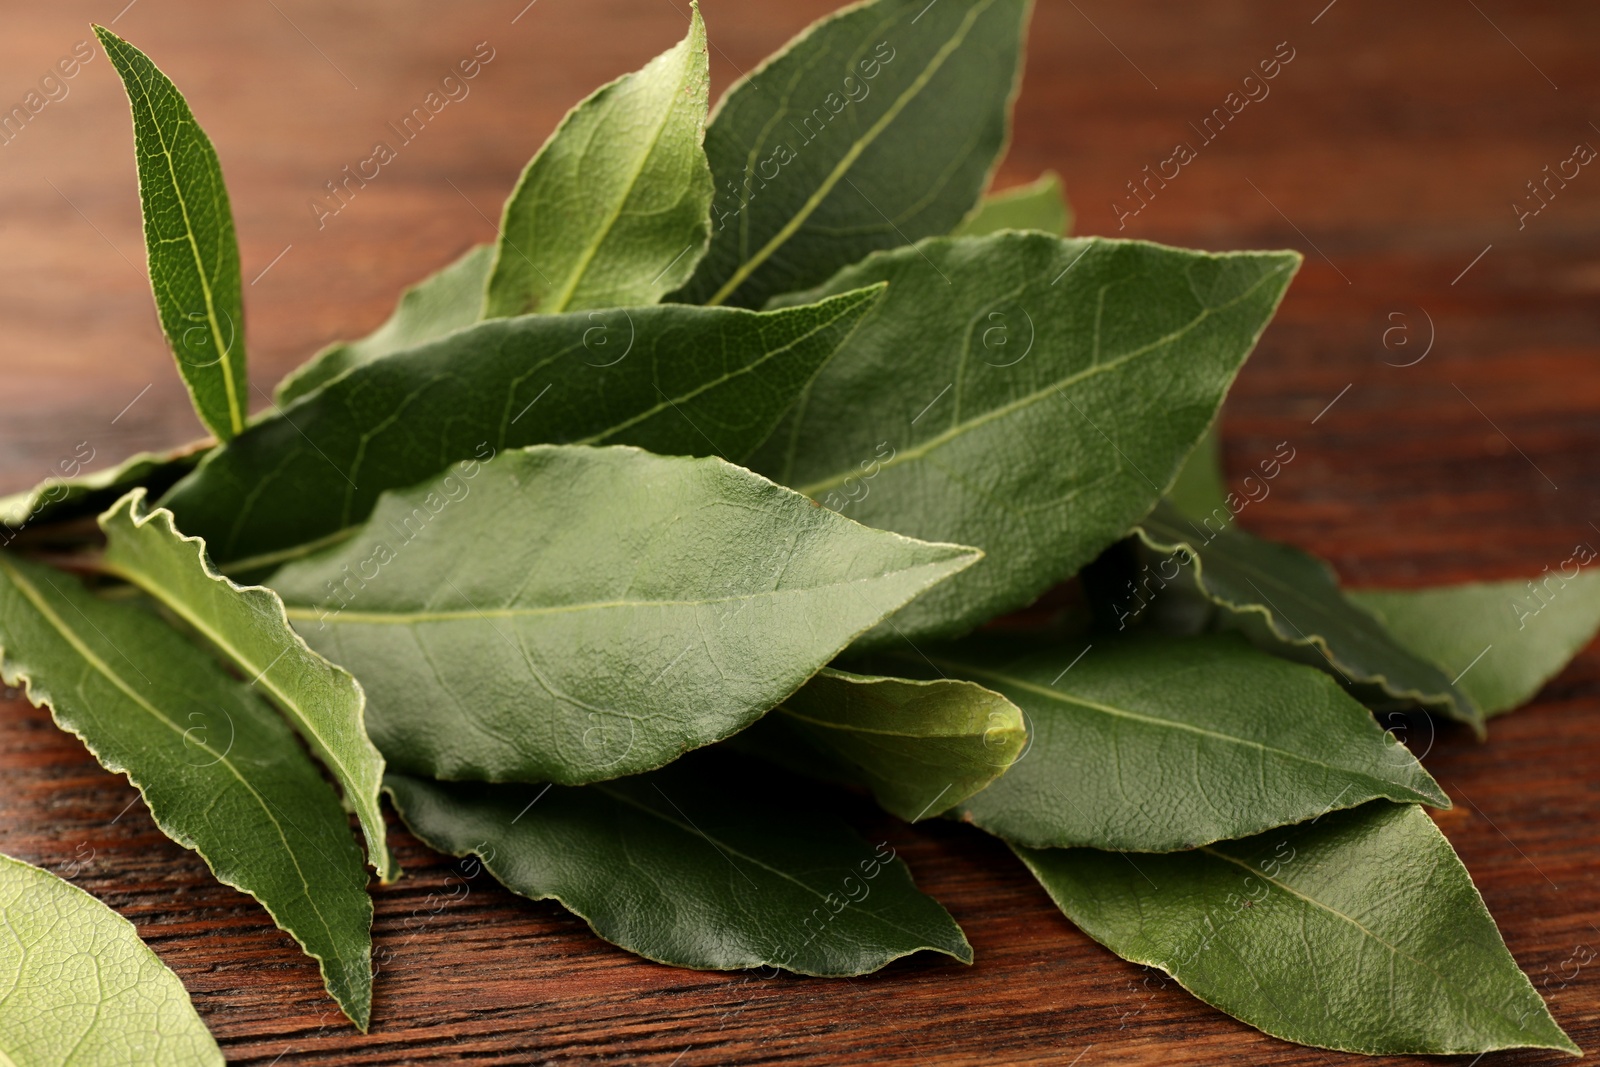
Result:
[
  {"x": 1501, "y": 640},
  {"x": 1040, "y": 205},
  {"x": 247, "y": 624},
  {"x": 920, "y": 747},
  {"x": 574, "y": 614},
  {"x": 220, "y": 771},
  {"x": 1360, "y": 932},
  {"x": 1201, "y": 488},
  {"x": 79, "y": 987},
  {"x": 680, "y": 867}
]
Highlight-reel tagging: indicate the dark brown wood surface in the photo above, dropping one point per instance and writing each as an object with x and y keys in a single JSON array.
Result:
[{"x": 1390, "y": 150}]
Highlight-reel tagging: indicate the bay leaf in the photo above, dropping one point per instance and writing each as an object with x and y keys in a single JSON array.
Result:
[
  {"x": 189, "y": 237},
  {"x": 1157, "y": 744},
  {"x": 448, "y": 300},
  {"x": 1503, "y": 640},
  {"x": 676, "y": 380},
  {"x": 572, "y": 614},
  {"x": 682, "y": 867},
  {"x": 1360, "y": 931},
  {"x": 1056, "y": 388},
  {"x": 81, "y": 988},
  {"x": 877, "y": 126},
  {"x": 613, "y": 210},
  {"x": 58, "y": 499},
  {"x": 247, "y": 625},
  {"x": 1039, "y": 205},
  {"x": 220, "y": 771},
  {"x": 921, "y": 747},
  {"x": 1289, "y": 601},
  {"x": 1200, "y": 488}
]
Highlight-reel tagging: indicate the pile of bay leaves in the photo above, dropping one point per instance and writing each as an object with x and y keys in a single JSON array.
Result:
[{"x": 723, "y": 456}]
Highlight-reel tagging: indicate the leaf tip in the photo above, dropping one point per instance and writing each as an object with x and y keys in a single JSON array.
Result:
[
  {"x": 386, "y": 866},
  {"x": 697, "y": 30}
]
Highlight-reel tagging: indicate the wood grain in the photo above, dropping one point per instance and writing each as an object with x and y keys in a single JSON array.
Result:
[{"x": 1389, "y": 150}]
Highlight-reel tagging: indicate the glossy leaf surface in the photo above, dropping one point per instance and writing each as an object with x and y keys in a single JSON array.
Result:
[{"x": 680, "y": 867}]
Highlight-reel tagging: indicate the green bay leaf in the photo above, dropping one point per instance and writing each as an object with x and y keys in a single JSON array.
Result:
[
  {"x": 613, "y": 210},
  {"x": 877, "y": 126},
  {"x": 58, "y": 499},
  {"x": 1057, "y": 387},
  {"x": 189, "y": 236},
  {"x": 921, "y": 747},
  {"x": 1289, "y": 601},
  {"x": 221, "y": 772},
  {"x": 1039, "y": 205},
  {"x": 673, "y": 379},
  {"x": 1360, "y": 931},
  {"x": 247, "y": 625},
  {"x": 81, "y": 988},
  {"x": 572, "y": 614},
  {"x": 685, "y": 867},
  {"x": 1503, "y": 640},
  {"x": 1158, "y": 744},
  {"x": 1201, "y": 488},
  {"x": 448, "y": 300}
]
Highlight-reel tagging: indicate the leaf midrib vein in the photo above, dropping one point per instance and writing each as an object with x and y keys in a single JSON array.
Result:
[
  {"x": 235, "y": 418},
  {"x": 466, "y": 614},
  {"x": 722, "y": 379},
  {"x": 848, "y": 160},
  {"x": 262, "y": 672},
  {"x": 36, "y": 598},
  {"x": 959, "y": 429},
  {"x": 581, "y": 267},
  {"x": 732, "y": 851},
  {"x": 1394, "y": 950},
  {"x": 1152, "y": 720}
]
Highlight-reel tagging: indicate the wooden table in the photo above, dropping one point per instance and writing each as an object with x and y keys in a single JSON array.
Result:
[{"x": 1390, "y": 151}]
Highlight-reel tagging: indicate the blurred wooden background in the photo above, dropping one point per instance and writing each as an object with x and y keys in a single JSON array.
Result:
[{"x": 1390, "y": 151}]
